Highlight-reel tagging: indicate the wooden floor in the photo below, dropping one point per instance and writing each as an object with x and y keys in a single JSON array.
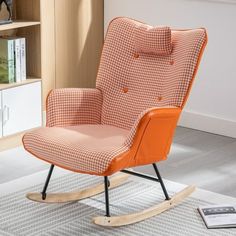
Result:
[{"x": 196, "y": 157}]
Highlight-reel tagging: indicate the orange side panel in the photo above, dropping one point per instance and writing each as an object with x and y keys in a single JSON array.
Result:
[{"x": 152, "y": 140}]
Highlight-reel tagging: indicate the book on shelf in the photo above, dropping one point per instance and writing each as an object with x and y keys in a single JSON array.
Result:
[
  {"x": 23, "y": 58},
  {"x": 7, "y": 70},
  {"x": 218, "y": 216},
  {"x": 19, "y": 59}
]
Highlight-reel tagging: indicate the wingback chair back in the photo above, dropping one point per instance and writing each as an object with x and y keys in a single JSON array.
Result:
[{"x": 143, "y": 67}]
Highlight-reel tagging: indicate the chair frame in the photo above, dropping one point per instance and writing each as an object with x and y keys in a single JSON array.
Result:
[{"x": 109, "y": 220}]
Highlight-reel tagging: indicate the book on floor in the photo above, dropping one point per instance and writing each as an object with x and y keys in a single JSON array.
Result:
[
  {"x": 218, "y": 216},
  {"x": 7, "y": 69}
]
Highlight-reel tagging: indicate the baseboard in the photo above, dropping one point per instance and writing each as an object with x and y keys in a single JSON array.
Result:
[{"x": 207, "y": 123}]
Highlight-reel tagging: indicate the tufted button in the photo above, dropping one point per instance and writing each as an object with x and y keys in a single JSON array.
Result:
[
  {"x": 136, "y": 55},
  {"x": 125, "y": 90},
  {"x": 172, "y": 62},
  {"x": 160, "y": 98}
]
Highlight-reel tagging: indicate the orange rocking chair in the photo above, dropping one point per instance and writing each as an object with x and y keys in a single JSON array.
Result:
[{"x": 128, "y": 120}]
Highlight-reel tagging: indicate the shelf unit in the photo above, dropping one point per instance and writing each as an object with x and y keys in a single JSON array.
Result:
[
  {"x": 12, "y": 85},
  {"x": 18, "y": 24},
  {"x": 64, "y": 43},
  {"x": 26, "y": 23}
]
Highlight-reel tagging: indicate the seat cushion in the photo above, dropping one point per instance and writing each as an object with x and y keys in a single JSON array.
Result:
[{"x": 84, "y": 148}]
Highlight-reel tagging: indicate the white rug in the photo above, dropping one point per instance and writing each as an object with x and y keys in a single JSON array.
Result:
[{"x": 21, "y": 217}]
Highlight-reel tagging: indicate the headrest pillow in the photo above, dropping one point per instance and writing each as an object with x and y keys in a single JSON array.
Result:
[{"x": 153, "y": 40}]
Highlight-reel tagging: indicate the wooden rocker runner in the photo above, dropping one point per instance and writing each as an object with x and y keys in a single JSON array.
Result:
[
  {"x": 75, "y": 196},
  {"x": 128, "y": 120}
]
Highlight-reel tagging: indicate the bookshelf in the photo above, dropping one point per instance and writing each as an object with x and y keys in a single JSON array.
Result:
[
  {"x": 21, "y": 102},
  {"x": 18, "y": 24}
]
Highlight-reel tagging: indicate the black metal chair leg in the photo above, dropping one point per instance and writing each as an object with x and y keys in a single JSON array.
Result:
[
  {"x": 161, "y": 181},
  {"x": 106, "y": 185},
  {"x": 44, "y": 192}
]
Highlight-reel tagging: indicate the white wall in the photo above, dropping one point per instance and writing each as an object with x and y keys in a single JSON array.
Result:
[{"x": 212, "y": 103}]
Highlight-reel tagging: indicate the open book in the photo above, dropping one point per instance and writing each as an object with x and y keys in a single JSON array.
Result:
[{"x": 218, "y": 216}]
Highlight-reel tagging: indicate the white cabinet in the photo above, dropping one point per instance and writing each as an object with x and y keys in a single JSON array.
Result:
[{"x": 21, "y": 108}]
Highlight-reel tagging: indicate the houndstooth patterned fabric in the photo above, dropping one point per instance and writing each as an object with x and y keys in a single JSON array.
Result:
[
  {"x": 83, "y": 148},
  {"x": 153, "y": 40},
  {"x": 74, "y": 107},
  {"x": 132, "y": 82},
  {"x": 88, "y": 128}
]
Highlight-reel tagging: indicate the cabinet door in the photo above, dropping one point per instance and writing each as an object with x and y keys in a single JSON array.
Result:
[
  {"x": 1, "y": 114},
  {"x": 22, "y": 108}
]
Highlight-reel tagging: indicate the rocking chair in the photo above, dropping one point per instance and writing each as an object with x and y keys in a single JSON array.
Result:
[{"x": 128, "y": 120}]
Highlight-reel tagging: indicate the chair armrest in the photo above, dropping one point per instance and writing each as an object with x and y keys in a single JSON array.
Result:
[
  {"x": 73, "y": 106},
  {"x": 151, "y": 135}
]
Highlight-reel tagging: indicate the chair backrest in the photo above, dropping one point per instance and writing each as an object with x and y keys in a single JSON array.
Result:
[{"x": 143, "y": 67}]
